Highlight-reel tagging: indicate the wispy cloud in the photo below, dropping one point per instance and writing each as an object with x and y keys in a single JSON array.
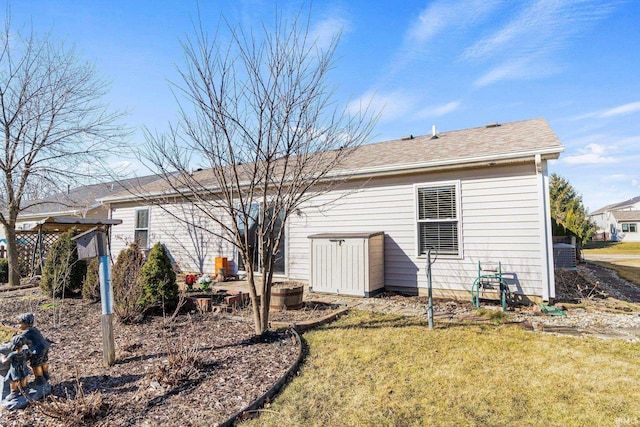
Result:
[
  {"x": 534, "y": 33},
  {"x": 620, "y": 110},
  {"x": 591, "y": 154},
  {"x": 392, "y": 105},
  {"x": 442, "y": 17},
  {"x": 438, "y": 111},
  {"x": 523, "y": 68},
  {"x": 325, "y": 31},
  {"x": 616, "y": 177}
]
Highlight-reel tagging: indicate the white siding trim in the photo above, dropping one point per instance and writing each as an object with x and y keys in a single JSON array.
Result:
[{"x": 546, "y": 237}]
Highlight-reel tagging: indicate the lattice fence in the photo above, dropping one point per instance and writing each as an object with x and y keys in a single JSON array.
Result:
[{"x": 27, "y": 244}]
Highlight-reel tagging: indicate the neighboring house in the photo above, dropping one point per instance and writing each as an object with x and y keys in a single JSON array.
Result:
[
  {"x": 619, "y": 221},
  {"x": 478, "y": 194},
  {"x": 76, "y": 202}
]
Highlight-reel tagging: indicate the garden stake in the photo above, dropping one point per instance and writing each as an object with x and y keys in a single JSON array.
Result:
[{"x": 430, "y": 299}]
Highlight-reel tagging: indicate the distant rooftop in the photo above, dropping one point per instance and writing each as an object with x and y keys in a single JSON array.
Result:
[
  {"x": 83, "y": 197},
  {"x": 616, "y": 206}
]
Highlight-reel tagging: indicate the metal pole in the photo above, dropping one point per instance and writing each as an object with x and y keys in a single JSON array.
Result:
[
  {"x": 106, "y": 297},
  {"x": 430, "y": 299}
]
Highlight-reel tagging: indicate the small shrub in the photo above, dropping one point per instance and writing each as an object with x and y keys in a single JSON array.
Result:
[
  {"x": 496, "y": 316},
  {"x": 76, "y": 408},
  {"x": 158, "y": 280},
  {"x": 63, "y": 272},
  {"x": 91, "y": 286},
  {"x": 4, "y": 270},
  {"x": 183, "y": 363},
  {"x": 126, "y": 289}
]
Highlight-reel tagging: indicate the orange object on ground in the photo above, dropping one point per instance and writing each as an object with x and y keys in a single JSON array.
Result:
[{"x": 222, "y": 262}]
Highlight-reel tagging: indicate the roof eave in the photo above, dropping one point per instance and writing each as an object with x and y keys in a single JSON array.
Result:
[{"x": 488, "y": 160}]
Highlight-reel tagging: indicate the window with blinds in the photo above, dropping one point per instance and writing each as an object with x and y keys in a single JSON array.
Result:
[{"x": 438, "y": 221}]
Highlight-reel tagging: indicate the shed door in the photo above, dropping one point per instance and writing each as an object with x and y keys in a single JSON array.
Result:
[{"x": 338, "y": 266}]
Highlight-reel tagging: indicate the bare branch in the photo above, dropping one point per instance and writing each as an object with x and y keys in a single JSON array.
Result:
[
  {"x": 52, "y": 120},
  {"x": 258, "y": 116}
]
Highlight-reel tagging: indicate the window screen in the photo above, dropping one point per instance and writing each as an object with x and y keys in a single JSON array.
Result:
[
  {"x": 438, "y": 220},
  {"x": 141, "y": 233}
]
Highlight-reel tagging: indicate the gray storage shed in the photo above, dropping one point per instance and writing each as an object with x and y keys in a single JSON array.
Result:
[{"x": 347, "y": 263}]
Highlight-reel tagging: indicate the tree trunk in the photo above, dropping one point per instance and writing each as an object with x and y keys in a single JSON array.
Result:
[
  {"x": 264, "y": 303},
  {"x": 12, "y": 255},
  {"x": 257, "y": 320}
]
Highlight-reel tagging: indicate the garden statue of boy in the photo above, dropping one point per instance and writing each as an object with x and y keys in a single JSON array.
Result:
[
  {"x": 19, "y": 371},
  {"x": 39, "y": 347}
]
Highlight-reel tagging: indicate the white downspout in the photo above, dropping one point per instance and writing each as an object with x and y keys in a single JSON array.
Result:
[{"x": 546, "y": 238}]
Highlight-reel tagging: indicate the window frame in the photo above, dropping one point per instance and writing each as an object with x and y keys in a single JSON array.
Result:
[
  {"x": 633, "y": 228},
  {"x": 285, "y": 248},
  {"x": 417, "y": 221},
  {"x": 136, "y": 227}
]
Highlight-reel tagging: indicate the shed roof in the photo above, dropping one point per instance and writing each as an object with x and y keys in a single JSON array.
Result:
[
  {"x": 64, "y": 223},
  {"x": 515, "y": 141}
]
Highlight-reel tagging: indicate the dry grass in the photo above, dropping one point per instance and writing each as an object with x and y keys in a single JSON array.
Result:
[
  {"x": 5, "y": 334},
  {"x": 628, "y": 269},
  {"x": 629, "y": 248},
  {"x": 379, "y": 370}
]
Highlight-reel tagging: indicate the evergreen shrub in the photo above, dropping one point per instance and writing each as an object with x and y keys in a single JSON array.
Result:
[
  {"x": 158, "y": 280},
  {"x": 126, "y": 288},
  {"x": 4, "y": 270},
  {"x": 63, "y": 273},
  {"x": 91, "y": 286}
]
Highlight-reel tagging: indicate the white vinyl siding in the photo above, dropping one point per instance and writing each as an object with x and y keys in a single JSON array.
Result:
[
  {"x": 438, "y": 218},
  {"x": 498, "y": 220},
  {"x": 193, "y": 248}
]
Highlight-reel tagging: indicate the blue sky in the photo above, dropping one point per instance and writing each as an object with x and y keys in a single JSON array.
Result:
[{"x": 454, "y": 64}]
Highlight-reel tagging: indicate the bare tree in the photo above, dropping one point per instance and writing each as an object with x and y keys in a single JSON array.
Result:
[
  {"x": 53, "y": 124},
  {"x": 258, "y": 115}
]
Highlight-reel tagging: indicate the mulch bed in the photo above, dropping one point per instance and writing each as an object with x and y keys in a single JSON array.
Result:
[{"x": 150, "y": 384}]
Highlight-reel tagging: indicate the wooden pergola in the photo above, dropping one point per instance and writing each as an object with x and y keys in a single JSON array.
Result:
[{"x": 48, "y": 230}]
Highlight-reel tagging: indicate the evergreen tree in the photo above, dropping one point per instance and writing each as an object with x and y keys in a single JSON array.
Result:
[
  {"x": 568, "y": 210},
  {"x": 158, "y": 280}
]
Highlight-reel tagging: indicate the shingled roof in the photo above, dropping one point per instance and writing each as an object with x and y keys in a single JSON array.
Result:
[
  {"x": 616, "y": 206},
  {"x": 514, "y": 141},
  {"x": 626, "y": 215},
  {"x": 82, "y": 198}
]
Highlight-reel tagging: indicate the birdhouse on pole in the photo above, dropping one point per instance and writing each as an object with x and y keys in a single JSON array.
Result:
[{"x": 92, "y": 243}]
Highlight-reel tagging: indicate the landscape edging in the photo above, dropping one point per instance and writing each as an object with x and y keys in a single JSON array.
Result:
[
  {"x": 259, "y": 402},
  {"x": 309, "y": 324}
]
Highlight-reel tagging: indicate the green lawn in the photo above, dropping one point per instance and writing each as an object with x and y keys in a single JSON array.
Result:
[{"x": 378, "y": 370}]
